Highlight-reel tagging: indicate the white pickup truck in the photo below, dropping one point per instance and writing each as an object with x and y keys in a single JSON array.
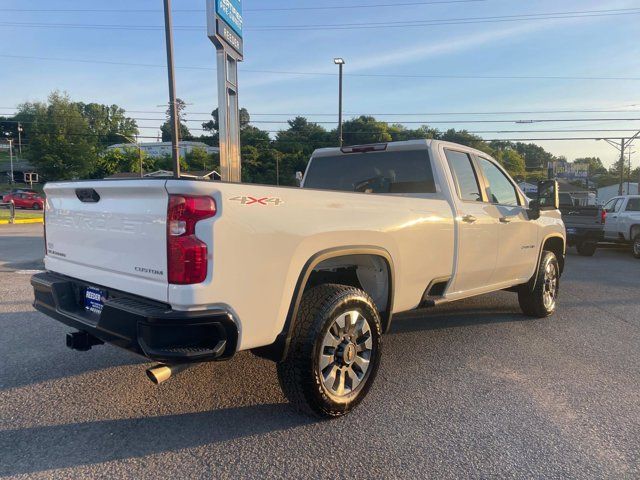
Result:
[
  {"x": 185, "y": 271},
  {"x": 621, "y": 216}
]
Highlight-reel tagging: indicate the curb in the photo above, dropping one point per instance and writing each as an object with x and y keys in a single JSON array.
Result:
[{"x": 22, "y": 221}]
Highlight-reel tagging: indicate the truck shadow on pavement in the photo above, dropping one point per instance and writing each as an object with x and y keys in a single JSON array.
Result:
[{"x": 65, "y": 446}]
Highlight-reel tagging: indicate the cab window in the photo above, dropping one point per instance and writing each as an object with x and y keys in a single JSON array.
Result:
[
  {"x": 500, "y": 189},
  {"x": 464, "y": 175},
  {"x": 611, "y": 205},
  {"x": 633, "y": 205}
]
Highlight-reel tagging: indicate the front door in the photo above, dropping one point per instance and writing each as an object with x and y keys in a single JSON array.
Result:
[
  {"x": 612, "y": 207},
  {"x": 477, "y": 228},
  {"x": 518, "y": 236}
]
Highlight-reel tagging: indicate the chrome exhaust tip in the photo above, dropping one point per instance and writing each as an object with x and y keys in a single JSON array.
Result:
[{"x": 161, "y": 373}]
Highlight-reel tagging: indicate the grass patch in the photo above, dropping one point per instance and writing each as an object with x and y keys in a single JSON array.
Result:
[{"x": 20, "y": 214}]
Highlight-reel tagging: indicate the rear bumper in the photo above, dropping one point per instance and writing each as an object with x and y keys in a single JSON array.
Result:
[
  {"x": 142, "y": 326},
  {"x": 577, "y": 235}
]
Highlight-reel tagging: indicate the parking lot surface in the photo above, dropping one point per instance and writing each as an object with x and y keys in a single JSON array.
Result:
[{"x": 467, "y": 390}]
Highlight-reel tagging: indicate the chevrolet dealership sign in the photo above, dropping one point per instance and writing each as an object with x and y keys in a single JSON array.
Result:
[{"x": 224, "y": 21}]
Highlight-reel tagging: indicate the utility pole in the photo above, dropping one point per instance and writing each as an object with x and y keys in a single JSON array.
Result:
[
  {"x": 624, "y": 143},
  {"x": 20, "y": 139},
  {"x": 340, "y": 62},
  {"x": 175, "y": 120}
]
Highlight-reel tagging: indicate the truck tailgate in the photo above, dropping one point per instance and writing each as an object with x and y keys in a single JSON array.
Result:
[{"x": 109, "y": 233}]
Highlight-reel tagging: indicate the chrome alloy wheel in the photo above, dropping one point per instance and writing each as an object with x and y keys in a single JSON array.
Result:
[
  {"x": 636, "y": 246},
  {"x": 550, "y": 291},
  {"x": 345, "y": 354}
]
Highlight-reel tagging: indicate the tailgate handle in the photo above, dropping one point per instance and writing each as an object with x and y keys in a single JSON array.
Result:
[{"x": 87, "y": 195}]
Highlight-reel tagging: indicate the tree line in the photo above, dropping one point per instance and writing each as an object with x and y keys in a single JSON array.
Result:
[{"x": 66, "y": 140}]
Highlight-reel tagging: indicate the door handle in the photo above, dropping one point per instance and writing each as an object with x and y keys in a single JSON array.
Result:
[
  {"x": 469, "y": 219},
  {"x": 505, "y": 220}
]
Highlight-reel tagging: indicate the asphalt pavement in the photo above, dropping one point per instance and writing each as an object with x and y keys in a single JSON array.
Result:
[{"x": 467, "y": 390}]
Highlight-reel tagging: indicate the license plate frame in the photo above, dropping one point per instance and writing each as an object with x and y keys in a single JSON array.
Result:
[{"x": 94, "y": 299}]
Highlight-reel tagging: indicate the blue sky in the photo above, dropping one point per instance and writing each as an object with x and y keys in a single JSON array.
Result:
[{"x": 594, "y": 46}]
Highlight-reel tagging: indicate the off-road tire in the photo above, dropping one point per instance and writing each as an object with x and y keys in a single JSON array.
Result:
[
  {"x": 586, "y": 249},
  {"x": 635, "y": 249},
  {"x": 299, "y": 373},
  {"x": 532, "y": 302}
]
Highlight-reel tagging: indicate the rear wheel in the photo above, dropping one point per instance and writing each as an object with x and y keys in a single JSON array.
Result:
[
  {"x": 586, "y": 249},
  {"x": 636, "y": 246},
  {"x": 35, "y": 206},
  {"x": 334, "y": 353},
  {"x": 541, "y": 301}
]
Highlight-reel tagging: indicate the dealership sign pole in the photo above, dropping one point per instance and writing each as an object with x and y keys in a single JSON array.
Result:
[{"x": 224, "y": 28}]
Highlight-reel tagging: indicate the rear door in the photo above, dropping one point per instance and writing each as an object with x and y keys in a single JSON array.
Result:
[
  {"x": 109, "y": 233},
  {"x": 477, "y": 227}
]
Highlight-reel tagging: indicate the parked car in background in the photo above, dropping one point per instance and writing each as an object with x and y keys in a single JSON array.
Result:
[
  {"x": 32, "y": 201},
  {"x": 622, "y": 222},
  {"x": 584, "y": 225},
  {"x": 15, "y": 191}
]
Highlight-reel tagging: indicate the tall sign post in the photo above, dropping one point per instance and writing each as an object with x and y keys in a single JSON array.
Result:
[{"x": 224, "y": 28}]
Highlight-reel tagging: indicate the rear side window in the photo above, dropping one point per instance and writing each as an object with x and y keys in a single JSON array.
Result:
[
  {"x": 633, "y": 205},
  {"x": 465, "y": 176},
  {"x": 374, "y": 172},
  {"x": 501, "y": 191}
]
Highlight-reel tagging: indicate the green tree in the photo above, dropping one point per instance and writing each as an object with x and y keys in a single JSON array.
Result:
[
  {"x": 166, "y": 127},
  {"x": 198, "y": 159},
  {"x": 125, "y": 160},
  {"x": 61, "y": 143},
  {"x": 513, "y": 162},
  {"x": 463, "y": 137},
  {"x": 108, "y": 123},
  {"x": 365, "y": 130},
  {"x": 303, "y": 137},
  {"x": 213, "y": 125}
]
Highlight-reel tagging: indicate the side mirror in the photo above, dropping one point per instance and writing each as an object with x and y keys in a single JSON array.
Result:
[
  {"x": 533, "y": 213},
  {"x": 548, "y": 195},
  {"x": 299, "y": 178}
]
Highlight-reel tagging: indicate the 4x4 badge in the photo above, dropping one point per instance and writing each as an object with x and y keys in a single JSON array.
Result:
[{"x": 264, "y": 201}]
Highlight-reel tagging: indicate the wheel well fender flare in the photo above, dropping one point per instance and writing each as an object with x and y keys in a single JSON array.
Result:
[
  {"x": 278, "y": 350},
  {"x": 556, "y": 239}
]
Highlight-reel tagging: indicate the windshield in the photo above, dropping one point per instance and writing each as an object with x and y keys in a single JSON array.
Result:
[{"x": 374, "y": 172}]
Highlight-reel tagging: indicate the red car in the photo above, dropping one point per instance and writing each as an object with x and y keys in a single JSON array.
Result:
[{"x": 25, "y": 200}]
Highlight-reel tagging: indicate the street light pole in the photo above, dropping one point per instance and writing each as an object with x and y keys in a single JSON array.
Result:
[
  {"x": 175, "y": 121},
  {"x": 621, "y": 188},
  {"x": 340, "y": 62},
  {"x": 11, "y": 158}
]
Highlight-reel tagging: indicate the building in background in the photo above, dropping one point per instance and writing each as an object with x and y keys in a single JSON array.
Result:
[
  {"x": 607, "y": 193},
  {"x": 161, "y": 149}
]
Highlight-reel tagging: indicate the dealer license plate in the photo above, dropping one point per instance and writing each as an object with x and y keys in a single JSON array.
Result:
[{"x": 94, "y": 299}]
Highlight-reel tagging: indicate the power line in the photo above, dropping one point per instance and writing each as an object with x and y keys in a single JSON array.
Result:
[
  {"x": 359, "y": 75},
  {"x": 276, "y": 9},
  {"x": 406, "y": 114},
  {"x": 421, "y": 122},
  {"x": 411, "y": 122},
  {"x": 350, "y": 26}
]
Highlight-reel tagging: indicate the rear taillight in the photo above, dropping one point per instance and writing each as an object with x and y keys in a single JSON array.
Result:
[
  {"x": 187, "y": 254},
  {"x": 603, "y": 217}
]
